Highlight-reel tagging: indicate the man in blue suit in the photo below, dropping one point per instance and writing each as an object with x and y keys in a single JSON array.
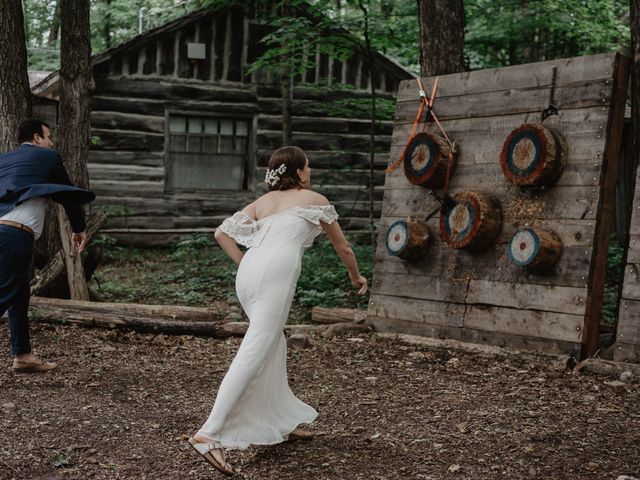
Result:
[{"x": 30, "y": 175}]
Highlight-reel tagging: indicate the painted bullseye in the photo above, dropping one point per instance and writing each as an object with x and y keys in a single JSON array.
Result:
[
  {"x": 460, "y": 221},
  {"x": 408, "y": 240},
  {"x": 397, "y": 237},
  {"x": 523, "y": 247},
  {"x": 426, "y": 160},
  {"x": 523, "y": 153},
  {"x": 420, "y": 155},
  {"x": 472, "y": 223},
  {"x": 533, "y": 155}
]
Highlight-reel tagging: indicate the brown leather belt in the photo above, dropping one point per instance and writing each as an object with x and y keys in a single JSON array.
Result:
[{"x": 16, "y": 225}]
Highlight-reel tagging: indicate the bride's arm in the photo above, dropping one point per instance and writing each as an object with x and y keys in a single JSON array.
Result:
[
  {"x": 229, "y": 245},
  {"x": 345, "y": 252}
]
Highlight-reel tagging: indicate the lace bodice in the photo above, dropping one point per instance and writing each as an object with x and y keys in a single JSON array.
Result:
[{"x": 251, "y": 233}]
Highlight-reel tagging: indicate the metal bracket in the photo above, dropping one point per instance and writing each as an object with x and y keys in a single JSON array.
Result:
[{"x": 551, "y": 109}]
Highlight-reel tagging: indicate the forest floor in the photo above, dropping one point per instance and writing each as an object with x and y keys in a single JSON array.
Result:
[{"x": 121, "y": 406}]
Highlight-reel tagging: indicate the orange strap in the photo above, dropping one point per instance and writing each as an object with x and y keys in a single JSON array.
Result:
[
  {"x": 428, "y": 102},
  {"x": 423, "y": 102}
]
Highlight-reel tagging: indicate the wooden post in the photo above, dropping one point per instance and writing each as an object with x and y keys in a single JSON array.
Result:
[{"x": 610, "y": 157}]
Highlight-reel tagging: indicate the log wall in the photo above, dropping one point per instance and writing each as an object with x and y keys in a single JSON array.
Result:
[
  {"x": 482, "y": 297},
  {"x": 126, "y": 162}
]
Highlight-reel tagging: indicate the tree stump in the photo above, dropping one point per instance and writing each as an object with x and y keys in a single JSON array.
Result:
[
  {"x": 426, "y": 159},
  {"x": 408, "y": 240},
  {"x": 473, "y": 223},
  {"x": 536, "y": 249},
  {"x": 533, "y": 156}
]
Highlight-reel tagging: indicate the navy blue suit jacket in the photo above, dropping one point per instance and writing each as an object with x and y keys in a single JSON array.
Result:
[{"x": 31, "y": 171}]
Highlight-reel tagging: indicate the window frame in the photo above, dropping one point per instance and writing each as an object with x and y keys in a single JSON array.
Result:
[{"x": 248, "y": 181}]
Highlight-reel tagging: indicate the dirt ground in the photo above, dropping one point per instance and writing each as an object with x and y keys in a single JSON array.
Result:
[{"x": 121, "y": 406}]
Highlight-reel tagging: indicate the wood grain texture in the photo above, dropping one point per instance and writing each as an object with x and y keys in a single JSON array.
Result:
[{"x": 483, "y": 296}]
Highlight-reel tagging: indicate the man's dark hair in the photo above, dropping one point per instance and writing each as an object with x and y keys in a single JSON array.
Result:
[{"x": 28, "y": 129}]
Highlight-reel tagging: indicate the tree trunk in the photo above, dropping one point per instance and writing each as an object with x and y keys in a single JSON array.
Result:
[
  {"x": 55, "y": 27},
  {"x": 635, "y": 81},
  {"x": 15, "y": 96},
  {"x": 441, "y": 37},
  {"x": 285, "y": 86},
  {"x": 106, "y": 30},
  {"x": 372, "y": 132},
  {"x": 74, "y": 130},
  {"x": 47, "y": 279}
]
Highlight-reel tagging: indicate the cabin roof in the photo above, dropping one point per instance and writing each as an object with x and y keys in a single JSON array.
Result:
[{"x": 45, "y": 85}]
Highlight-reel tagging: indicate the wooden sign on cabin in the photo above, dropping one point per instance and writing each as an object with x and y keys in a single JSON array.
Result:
[{"x": 505, "y": 148}]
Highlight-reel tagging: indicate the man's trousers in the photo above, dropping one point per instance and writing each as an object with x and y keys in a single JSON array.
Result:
[{"x": 16, "y": 249}]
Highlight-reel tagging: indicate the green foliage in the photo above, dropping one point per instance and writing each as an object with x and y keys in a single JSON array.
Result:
[
  {"x": 196, "y": 272},
  {"x": 112, "y": 22},
  {"x": 324, "y": 281},
  {"x": 498, "y": 33},
  {"x": 105, "y": 241},
  {"x": 511, "y": 33},
  {"x": 614, "y": 277},
  {"x": 360, "y": 108}
]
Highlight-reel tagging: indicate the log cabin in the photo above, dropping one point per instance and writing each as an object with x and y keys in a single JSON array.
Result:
[{"x": 182, "y": 132}]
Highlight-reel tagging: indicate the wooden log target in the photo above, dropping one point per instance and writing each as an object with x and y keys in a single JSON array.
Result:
[
  {"x": 408, "y": 240},
  {"x": 534, "y": 248},
  {"x": 533, "y": 156},
  {"x": 473, "y": 223},
  {"x": 425, "y": 160}
]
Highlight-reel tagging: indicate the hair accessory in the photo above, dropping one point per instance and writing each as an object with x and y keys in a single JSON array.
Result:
[{"x": 273, "y": 176}]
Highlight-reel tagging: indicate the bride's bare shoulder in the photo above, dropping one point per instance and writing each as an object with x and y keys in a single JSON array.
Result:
[{"x": 315, "y": 198}]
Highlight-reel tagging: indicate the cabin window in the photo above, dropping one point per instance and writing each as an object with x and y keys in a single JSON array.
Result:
[{"x": 207, "y": 153}]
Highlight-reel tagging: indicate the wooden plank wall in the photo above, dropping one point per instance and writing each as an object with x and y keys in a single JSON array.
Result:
[{"x": 482, "y": 297}]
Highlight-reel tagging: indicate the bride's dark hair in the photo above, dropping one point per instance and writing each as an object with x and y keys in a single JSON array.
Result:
[{"x": 294, "y": 159}]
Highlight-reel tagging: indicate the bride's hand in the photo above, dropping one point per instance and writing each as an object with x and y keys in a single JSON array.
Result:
[{"x": 361, "y": 284}]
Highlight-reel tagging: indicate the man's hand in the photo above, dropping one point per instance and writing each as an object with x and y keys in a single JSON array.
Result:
[{"x": 79, "y": 240}]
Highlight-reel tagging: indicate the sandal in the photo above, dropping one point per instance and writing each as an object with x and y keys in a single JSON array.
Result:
[
  {"x": 300, "y": 434},
  {"x": 207, "y": 449}
]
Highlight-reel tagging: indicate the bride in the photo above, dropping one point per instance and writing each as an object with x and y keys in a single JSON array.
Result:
[{"x": 255, "y": 405}]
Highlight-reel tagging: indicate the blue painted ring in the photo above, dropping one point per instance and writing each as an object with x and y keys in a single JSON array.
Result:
[
  {"x": 464, "y": 232},
  {"x": 535, "y": 139},
  {"x": 399, "y": 223},
  {"x": 420, "y": 140},
  {"x": 534, "y": 253}
]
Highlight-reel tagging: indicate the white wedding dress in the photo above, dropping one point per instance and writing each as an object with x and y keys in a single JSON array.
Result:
[{"x": 255, "y": 404}]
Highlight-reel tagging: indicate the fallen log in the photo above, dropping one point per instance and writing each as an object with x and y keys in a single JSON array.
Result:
[
  {"x": 606, "y": 367},
  {"x": 166, "y": 319},
  {"x": 122, "y": 319},
  {"x": 337, "y": 315},
  {"x": 167, "y": 312},
  {"x": 347, "y": 327}
]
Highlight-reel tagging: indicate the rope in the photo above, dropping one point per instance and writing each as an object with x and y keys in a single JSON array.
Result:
[{"x": 428, "y": 103}]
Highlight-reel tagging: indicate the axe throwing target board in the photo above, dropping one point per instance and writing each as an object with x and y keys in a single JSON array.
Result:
[{"x": 483, "y": 296}]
